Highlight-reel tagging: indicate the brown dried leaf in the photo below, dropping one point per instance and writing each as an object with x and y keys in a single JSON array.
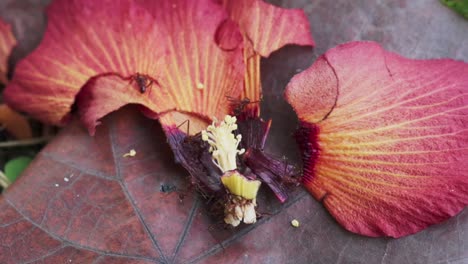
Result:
[{"x": 16, "y": 124}]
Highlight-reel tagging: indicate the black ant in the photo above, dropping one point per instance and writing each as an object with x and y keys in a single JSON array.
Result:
[
  {"x": 240, "y": 104},
  {"x": 143, "y": 81}
]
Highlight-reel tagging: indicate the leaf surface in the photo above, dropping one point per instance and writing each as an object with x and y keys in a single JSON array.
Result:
[
  {"x": 460, "y": 6},
  {"x": 417, "y": 29},
  {"x": 14, "y": 167},
  {"x": 92, "y": 199}
]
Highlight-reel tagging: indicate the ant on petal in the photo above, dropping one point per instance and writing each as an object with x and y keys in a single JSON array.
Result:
[
  {"x": 143, "y": 81},
  {"x": 240, "y": 104}
]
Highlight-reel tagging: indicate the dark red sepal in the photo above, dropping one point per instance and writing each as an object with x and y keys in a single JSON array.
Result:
[
  {"x": 192, "y": 153},
  {"x": 275, "y": 172},
  {"x": 254, "y": 131},
  {"x": 306, "y": 137}
]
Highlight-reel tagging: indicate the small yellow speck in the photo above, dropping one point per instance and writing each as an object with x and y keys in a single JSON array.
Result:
[
  {"x": 295, "y": 223},
  {"x": 131, "y": 153},
  {"x": 200, "y": 85}
]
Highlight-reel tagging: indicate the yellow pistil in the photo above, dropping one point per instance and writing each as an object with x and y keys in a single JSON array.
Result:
[
  {"x": 241, "y": 201},
  {"x": 238, "y": 185}
]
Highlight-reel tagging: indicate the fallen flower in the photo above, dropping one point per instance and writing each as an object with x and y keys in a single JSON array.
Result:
[
  {"x": 384, "y": 138},
  {"x": 212, "y": 158},
  {"x": 171, "y": 59}
]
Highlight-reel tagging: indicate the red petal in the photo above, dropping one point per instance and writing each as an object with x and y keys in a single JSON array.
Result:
[
  {"x": 393, "y": 151},
  {"x": 83, "y": 39},
  {"x": 170, "y": 41},
  {"x": 106, "y": 94},
  {"x": 7, "y": 42},
  {"x": 268, "y": 27}
]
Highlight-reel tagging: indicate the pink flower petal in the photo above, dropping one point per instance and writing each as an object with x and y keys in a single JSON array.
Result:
[
  {"x": 390, "y": 158},
  {"x": 170, "y": 42}
]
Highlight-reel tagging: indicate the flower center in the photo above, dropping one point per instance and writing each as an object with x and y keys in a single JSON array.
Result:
[{"x": 241, "y": 200}]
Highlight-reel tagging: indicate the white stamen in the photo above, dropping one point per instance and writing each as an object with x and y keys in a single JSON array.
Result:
[{"x": 223, "y": 143}]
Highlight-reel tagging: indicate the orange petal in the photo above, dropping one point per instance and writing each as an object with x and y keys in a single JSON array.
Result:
[
  {"x": 265, "y": 28},
  {"x": 7, "y": 42},
  {"x": 268, "y": 27},
  {"x": 390, "y": 158},
  {"x": 200, "y": 75},
  {"x": 252, "y": 82}
]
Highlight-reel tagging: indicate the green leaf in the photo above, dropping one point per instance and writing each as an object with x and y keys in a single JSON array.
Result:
[
  {"x": 459, "y": 6},
  {"x": 14, "y": 167}
]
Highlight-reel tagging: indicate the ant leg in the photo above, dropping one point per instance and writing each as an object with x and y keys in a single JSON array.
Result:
[
  {"x": 131, "y": 78},
  {"x": 148, "y": 85},
  {"x": 188, "y": 126}
]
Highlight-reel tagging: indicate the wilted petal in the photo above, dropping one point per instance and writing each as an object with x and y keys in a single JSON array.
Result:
[
  {"x": 105, "y": 94},
  {"x": 171, "y": 42},
  {"x": 393, "y": 152},
  {"x": 83, "y": 39},
  {"x": 7, "y": 42}
]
